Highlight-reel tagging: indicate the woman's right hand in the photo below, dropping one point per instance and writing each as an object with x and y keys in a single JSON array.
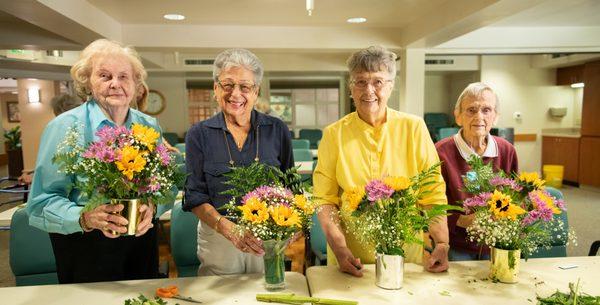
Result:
[
  {"x": 347, "y": 262},
  {"x": 103, "y": 219},
  {"x": 243, "y": 240}
]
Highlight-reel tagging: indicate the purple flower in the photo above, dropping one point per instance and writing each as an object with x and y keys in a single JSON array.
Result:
[
  {"x": 499, "y": 181},
  {"x": 110, "y": 134},
  {"x": 163, "y": 154},
  {"x": 272, "y": 195},
  {"x": 376, "y": 190},
  {"x": 100, "y": 151},
  {"x": 479, "y": 200}
]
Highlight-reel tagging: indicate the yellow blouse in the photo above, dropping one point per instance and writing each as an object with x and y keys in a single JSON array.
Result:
[{"x": 352, "y": 153}]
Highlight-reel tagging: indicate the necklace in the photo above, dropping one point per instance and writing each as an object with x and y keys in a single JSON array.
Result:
[{"x": 231, "y": 162}]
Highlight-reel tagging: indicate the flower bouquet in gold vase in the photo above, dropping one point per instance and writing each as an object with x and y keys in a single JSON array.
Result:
[
  {"x": 273, "y": 207},
  {"x": 127, "y": 166},
  {"x": 386, "y": 214},
  {"x": 513, "y": 214}
]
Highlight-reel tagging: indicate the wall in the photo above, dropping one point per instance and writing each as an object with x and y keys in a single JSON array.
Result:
[
  {"x": 175, "y": 116},
  {"x": 530, "y": 91},
  {"x": 437, "y": 93},
  {"x": 34, "y": 117}
]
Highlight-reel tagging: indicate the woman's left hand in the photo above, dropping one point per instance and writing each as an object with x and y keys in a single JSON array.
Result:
[
  {"x": 146, "y": 214},
  {"x": 438, "y": 260}
]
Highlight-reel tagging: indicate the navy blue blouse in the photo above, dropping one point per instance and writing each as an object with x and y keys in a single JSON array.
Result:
[{"x": 207, "y": 158}]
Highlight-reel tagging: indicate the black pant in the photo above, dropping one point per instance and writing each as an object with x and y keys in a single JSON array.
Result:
[{"x": 93, "y": 257}]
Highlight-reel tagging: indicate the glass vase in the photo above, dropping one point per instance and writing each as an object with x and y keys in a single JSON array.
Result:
[
  {"x": 504, "y": 265},
  {"x": 389, "y": 271},
  {"x": 131, "y": 212},
  {"x": 274, "y": 264}
]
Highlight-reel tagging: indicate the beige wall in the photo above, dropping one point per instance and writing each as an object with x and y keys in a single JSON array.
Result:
[
  {"x": 437, "y": 93},
  {"x": 34, "y": 117},
  {"x": 175, "y": 116},
  {"x": 530, "y": 91}
]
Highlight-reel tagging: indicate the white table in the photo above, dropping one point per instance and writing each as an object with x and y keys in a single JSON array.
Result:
[
  {"x": 6, "y": 217},
  {"x": 314, "y": 153},
  {"x": 239, "y": 289},
  {"x": 306, "y": 167},
  {"x": 462, "y": 284}
]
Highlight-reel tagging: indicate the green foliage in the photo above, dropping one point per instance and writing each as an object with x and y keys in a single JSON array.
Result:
[
  {"x": 244, "y": 179},
  {"x": 13, "y": 138},
  {"x": 574, "y": 297},
  {"x": 143, "y": 300},
  {"x": 478, "y": 179}
]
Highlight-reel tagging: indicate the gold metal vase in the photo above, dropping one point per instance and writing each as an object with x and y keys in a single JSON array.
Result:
[
  {"x": 131, "y": 212},
  {"x": 504, "y": 265}
]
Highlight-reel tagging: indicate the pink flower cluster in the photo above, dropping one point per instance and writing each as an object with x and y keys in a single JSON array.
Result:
[
  {"x": 163, "y": 154},
  {"x": 500, "y": 181},
  {"x": 478, "y": 200},
  {"x": 377, "y": 189},
  {"x": 271, "y": 195},
  {"x": 542, "y": 210}
]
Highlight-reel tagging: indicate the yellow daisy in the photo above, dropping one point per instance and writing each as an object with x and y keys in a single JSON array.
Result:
[
  {"x": 531, "y": 178},
  {"x": 147, "y": 135},
  {"x": 285, "y": 216},
  {"x": 301, "y": 202},
  {"x": 132, "y": 161},
  {"x": 501, "y": 206},
  {"x": 254, "y": 210},
  {"x": 397, "y": 183},
  {"x": 352, "y": 197}
]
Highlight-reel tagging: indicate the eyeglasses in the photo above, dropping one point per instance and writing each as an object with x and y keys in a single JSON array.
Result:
[
  {"x": 229, "y": 87},
  {"x": 473, "y": 111},
  {"x": 377, "y": 83}
]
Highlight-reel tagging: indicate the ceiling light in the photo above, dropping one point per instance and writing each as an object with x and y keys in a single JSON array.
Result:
[
  {"x": 174, "y": 17},
  {"x": 356, "y": 20},
  {"x": 577, "y": 85},
  {"x": 310, "y": 6}
]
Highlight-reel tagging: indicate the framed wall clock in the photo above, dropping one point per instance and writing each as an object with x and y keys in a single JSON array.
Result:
[{"x": 156, "y": 102}]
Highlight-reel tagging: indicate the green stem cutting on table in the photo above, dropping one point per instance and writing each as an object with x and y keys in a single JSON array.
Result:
[{"x": 290, "y": 298}]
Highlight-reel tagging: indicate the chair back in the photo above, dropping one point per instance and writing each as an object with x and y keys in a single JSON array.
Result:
[
  {"x": 171, "y": 137},
  {"x": 181, "y": 147},
  {"x": 300, "y": 144},
  {"x": 312, "y": 135},
  {"x": 446, "y": 132},
  {"x": 318, "y": 242},
  {"x": 435, "y": 121},
  {"x": 302, "y": 155},
  {"x": 184, "y": 241},
  {"x": 559, "y": 239},
  {"x": 31, "y": 256}
]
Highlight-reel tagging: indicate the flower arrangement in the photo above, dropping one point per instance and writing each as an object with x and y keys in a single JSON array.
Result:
[
  {"x": 121, "y": 164},
  {"x": 512, "y": 212},
  {"x": 385, "y": 213}
]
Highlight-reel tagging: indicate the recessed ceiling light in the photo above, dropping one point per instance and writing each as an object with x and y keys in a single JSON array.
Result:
[
  {"x": 174, "y": 17},
  {"x": 356, "y": 20}
]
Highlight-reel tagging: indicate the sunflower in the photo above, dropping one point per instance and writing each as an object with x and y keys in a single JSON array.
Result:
[
  {"x": 532, "y": 179},
  {"x": 353, "y": 197},
  {"x": 501, "y": 206},
  {"x": 285, "y": 216},
  {"x": 397, "y": 183},
  {"x": 254, "y": 210},
  {"x": 146, "y": 135},
  {"x": 131, "y": 161},
  {"x": 301, "y": 202}
]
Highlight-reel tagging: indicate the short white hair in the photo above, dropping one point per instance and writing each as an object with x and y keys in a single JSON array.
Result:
[
  {"x": 373, "y": 59},
  {"x": 238, "y": 58},
  {"x": 475, "y": 91}
]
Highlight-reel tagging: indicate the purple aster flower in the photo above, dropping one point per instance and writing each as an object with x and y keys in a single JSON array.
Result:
[
  {"x": 163, "y": 154},
  {"x": 479, "y": 200},
  {"x": 500, "y": 181},
  {"x": 271, "y": 195},
  {"x": 376, "y": 190}
]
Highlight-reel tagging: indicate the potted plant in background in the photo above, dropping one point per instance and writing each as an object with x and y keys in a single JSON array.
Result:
[
  {"x": 386, "y": 214},
  {"x": 14, "y": 151}
]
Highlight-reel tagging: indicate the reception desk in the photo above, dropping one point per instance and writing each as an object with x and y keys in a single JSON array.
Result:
[{"x": 464, "y": 283}]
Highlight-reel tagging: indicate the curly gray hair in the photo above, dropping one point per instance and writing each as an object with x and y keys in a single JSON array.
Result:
[
  {"x": 238, "y": 58},
  {"x": 373, "y": 59},
  {"x": 474, "y": 91}
]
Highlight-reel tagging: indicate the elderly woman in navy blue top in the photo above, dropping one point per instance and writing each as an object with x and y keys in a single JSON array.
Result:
[{"x": 236, "y": 136}]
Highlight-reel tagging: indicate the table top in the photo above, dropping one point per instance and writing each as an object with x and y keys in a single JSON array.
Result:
[
  {"x": 235, "y": 289},
  {"x": 6, "y": 217},
  {"x": 306, "y": 167},
  {"x": 464, "y": 283}
]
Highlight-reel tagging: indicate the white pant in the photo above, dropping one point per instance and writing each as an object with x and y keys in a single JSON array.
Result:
[{"x": 218, "y": 256}]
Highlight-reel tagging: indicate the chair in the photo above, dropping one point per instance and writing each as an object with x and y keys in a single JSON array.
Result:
[
  {"x": 171, "y": 137},
  {"x": 594, "y": 248},
  {"x": 312, "y": 135},
  {"x": 318, "y": 242},
  {"x": 559, "y": 241},
  {"x": 300, "y": 144},
  {"x": 446, "y": 132},
  {"x": 181, "y": 147},
  {"x": 12, "y": 187},
  {"x": 506, "y": 133},
  {"x": 31, "y": 255},
  {"x": 184, "y": 242},
  {"x": 434, "y": 122},
  {"x": 302, "y": 155}
]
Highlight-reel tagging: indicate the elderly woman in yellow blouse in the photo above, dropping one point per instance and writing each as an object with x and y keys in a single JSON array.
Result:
[{"x": 374, "y": 142}]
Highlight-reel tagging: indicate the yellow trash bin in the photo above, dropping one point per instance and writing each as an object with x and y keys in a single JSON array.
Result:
[{"x": 553, "y": 174}]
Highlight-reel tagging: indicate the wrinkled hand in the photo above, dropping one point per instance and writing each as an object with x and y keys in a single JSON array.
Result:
[
  {"x": 146, "y": 214},
  {"x": 464, "y": 221},
  {"x": 103, "y": 219},
  {"x": 348, "y": 263},
  {"x": 243, "y": 240},
  {"x": 438, "y": 260}
]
